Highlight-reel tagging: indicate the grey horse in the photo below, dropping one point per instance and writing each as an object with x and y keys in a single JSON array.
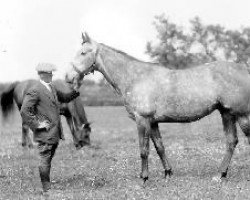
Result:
[{"x": 154, "y": 94}]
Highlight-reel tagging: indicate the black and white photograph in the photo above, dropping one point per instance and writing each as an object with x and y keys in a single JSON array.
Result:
[{"x": 137, "y": 100}]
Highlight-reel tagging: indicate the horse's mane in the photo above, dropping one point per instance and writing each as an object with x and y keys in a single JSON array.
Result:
[{"x": 127, "y": 55}]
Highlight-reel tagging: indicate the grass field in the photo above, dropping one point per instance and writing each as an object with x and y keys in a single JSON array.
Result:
[{"x": 110, "y": 168}]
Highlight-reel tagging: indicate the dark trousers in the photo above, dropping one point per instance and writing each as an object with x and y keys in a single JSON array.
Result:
[{"x": 46, "y": 153}]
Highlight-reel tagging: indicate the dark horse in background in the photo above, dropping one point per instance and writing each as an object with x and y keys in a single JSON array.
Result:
[
  {"x": 153, "y": 94},
  {"x": 73, "y": 111}
]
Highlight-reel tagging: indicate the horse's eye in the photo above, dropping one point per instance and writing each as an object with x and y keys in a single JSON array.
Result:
[{"x": 83, "y": 53}]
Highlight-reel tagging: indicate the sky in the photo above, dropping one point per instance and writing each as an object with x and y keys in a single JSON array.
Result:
[{"x": 35, "y": 31}]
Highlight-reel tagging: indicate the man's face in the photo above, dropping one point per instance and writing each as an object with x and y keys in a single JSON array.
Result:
[{"x": 46, "y": 77}]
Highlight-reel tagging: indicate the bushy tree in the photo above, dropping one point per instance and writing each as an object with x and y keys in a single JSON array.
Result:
[
  {"x": 237, "y": 45},
  {"x": 176, "y": 48}
]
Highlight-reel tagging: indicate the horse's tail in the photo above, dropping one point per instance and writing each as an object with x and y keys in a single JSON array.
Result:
[{"x": 7, "y": 99}]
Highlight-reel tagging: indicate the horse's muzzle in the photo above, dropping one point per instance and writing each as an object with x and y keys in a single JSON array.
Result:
[{"x": 82, "y": 143}]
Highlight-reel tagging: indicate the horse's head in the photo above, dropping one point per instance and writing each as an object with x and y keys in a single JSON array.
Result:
[
  {"x": 80, "y": 125},
  {"x": 77, "y": 120},
  {"x": 82, "y": 136},
  {"x": 84, "y": 62}
]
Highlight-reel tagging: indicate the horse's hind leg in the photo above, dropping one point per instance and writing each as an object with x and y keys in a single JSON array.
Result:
[
  {"x": 229, "y": 124},
  {"x": 157, "y": 140},
  {"x": 26, "y": 141},
  {"x": 143, "y": 133}
]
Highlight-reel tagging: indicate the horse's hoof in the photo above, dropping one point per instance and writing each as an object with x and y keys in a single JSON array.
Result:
[
  {"x": 168, "y": 172},
  {"x": 223, "y": 174},
  {"x": 145, "y": 179}
]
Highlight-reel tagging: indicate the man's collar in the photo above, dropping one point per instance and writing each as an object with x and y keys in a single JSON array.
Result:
[
  {"x": 47, "y": 85},
  {"x": 43, "y": 82}
]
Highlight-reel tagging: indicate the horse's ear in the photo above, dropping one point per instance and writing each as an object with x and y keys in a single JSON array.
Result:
[
  {"x": 87, "y": 37},
  {"x": 83, "y": 38}
]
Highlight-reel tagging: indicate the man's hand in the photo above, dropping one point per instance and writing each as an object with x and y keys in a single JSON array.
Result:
[{"x": 44, "y": 125}]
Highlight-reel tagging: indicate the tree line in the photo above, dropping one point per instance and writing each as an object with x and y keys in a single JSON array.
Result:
[{"x": 179, "y": 48}]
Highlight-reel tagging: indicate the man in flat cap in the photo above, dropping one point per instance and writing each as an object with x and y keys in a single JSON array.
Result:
[{"x": 41, "y": 111}]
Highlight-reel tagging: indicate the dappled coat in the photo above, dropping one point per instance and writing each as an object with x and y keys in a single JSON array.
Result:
[{"x": 39, "y": 105}]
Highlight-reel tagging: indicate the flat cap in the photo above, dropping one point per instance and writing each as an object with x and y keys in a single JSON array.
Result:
[{"x": 45, "y": 67}]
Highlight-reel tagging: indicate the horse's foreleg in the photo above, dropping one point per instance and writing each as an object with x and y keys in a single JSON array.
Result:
[
  {"x": 26, "y": 141},
  {"x": 229, "y": 124},
  {"x": 71, "y": 127},
  {"x": 144, "y": 149},
  {"x": 157, "y": 140}
]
